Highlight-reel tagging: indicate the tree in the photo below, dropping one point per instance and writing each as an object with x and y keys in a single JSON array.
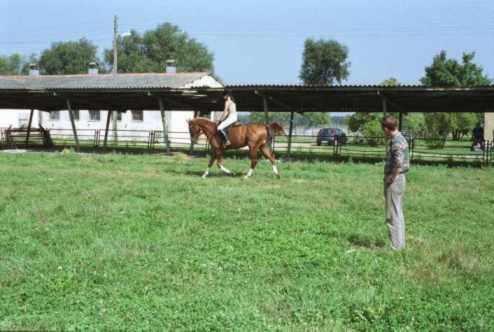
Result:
[
  {"x": 390, "y": 82},
  {"x": 324, "y": 62},
  {"x": 444, "y": 72},
  {"x": 299, "y": 120},
  {"x": 149, "y": 52},
  {"x": 11, "y": 65},
  {"x": 33, "y": 58},
  {"x": 68, "y": 57},
  {"x": 369, "y": 123}
]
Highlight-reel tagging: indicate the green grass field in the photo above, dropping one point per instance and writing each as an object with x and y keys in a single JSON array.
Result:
[{"x": 141, "y": 242}]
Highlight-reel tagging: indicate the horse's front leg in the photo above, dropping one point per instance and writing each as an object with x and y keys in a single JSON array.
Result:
[
  {"x": 211, "y": 162},
  {"x": 222, "y": 167}
]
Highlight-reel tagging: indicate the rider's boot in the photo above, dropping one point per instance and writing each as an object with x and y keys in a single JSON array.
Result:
[{"x": 227, "y": 141}]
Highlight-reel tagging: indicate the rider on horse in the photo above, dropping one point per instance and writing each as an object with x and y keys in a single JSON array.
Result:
[{"x": 228, "y": 117}]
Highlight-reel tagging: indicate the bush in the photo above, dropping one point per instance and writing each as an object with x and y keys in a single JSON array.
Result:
[{"x": 373, "y": 132}]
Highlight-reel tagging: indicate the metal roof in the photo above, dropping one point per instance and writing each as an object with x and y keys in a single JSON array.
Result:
[
  {"x": 358, "y": 98},
  {"x": 100, "y": 81},
  {"x": 141, "y": 91}
]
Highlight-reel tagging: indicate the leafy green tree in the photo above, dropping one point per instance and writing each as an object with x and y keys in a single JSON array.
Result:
[
  {"x": 149, "y": 52},
  {"x": 358, "y": 120},
  {"x": 33, "y": 58},
  {"x": 446, "y": 72},
  {"x": 324, "y": 62},
  {"x": 299, "y": 120},
  {"x": 11, "y": 65},
  {"x": 390, "y": 82},
  {"x": 369, "y": 123},
  {"x": 415, "y": 124},
  {"x": 70, "y": 57}
]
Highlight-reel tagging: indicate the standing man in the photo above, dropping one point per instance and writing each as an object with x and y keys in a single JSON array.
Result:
[{"x": 397, "y": 165}]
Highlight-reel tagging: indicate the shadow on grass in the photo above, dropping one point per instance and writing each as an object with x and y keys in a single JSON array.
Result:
[
  {"x": 364, "y": 241},
  {"x": 212, "y": 174}
]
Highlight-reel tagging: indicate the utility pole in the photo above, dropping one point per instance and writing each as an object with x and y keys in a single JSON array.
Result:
[{"x": 115, "y": 52}]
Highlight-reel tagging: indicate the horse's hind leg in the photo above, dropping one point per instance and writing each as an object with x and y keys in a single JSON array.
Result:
[
  {"x": 253, "y": 160},
  {"x": 211, "y": 162},
  {"x": 268, "y": 153}
]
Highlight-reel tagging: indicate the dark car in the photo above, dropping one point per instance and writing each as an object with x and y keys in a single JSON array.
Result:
[{"x": 332, "y": 136}]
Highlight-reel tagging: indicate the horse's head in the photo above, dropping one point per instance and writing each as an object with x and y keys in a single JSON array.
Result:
[{"x": 194, "y": 130}]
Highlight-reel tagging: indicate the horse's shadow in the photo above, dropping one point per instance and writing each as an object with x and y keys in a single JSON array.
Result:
[{"x": 212, "y": 174}]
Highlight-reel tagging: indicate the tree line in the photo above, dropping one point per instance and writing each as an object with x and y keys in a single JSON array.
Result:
[{"x": 137, "y": 53}]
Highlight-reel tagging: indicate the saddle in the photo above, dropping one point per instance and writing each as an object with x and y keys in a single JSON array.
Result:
[
  {"x": 233, "y": 125},
  {"x": 226, "y": 131}
]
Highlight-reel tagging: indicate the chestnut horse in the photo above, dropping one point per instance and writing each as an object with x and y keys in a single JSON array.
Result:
[{"x": 255, "y": 136}]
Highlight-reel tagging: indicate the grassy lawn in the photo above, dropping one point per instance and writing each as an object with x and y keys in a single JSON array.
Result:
[{"x": 141, "y": 242}]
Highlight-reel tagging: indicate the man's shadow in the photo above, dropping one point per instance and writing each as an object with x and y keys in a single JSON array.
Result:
[{"x": 364, "y": 241}]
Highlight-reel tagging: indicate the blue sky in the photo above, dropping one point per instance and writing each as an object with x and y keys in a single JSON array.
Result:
[{"x": 262, "y": 41}]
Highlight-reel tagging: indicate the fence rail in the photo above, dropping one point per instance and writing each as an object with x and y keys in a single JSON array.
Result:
[{"x": 358, "y": 147}]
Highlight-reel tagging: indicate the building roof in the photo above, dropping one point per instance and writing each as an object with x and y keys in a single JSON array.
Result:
[
  {"x": 185, "y": 91},
  {"x": 358, "y": 98},
  {"x": 100, "y": 81}
]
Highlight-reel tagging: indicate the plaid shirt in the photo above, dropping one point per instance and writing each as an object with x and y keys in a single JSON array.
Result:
[{"x": 397, "y": 154}]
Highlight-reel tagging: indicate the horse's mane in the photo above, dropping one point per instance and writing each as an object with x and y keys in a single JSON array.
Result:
[
  {"x": 202, "y": 119},
  {"x": 205, "y": 124}
]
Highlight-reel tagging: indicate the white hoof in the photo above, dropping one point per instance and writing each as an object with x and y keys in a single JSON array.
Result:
[{"x": 249, "y": 174}]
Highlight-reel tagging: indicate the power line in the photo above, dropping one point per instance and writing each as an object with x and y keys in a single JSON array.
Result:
[{"x": 278, "y": 34}]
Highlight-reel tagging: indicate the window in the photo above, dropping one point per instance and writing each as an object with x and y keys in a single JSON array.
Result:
[
  {"x": 55, "y": 115},
  {"x": 119, "y": 115},
  {"x": 138, "y": 115},
  {"x": 94, "y": 115},
  {"x": 76, "y": 115}
]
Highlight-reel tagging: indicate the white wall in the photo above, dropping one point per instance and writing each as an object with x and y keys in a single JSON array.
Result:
[
  {"x": 177, "y": 124},
  {"x": 17, "y": 118}
]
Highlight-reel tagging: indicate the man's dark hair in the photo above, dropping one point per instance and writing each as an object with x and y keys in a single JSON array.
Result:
[{"x": 389, "y": 122}]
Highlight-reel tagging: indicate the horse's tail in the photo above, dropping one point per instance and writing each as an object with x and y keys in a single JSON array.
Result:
[{"x": 274, "y": 129}]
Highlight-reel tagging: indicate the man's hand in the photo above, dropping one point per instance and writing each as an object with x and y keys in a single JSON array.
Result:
[{"x": 388, "y": 180}]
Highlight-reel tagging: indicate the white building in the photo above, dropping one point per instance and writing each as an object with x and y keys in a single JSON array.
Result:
[{"x": 129, "y": 122}]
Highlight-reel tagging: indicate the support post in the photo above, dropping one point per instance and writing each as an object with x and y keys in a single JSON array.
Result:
[
  {"x": 115, "y": 127},
  {"x": 108, "y": 118},
  {"x": 40, "y": 119},
  {"x": 29, "y": 126},
  {"x": 165, "y": 125},
  {"x": 266, "y": 110},
  {"x": 72, "y": 122},
  {"x": 290, "y": 132},
  {"x": 400, "y": 124},
  {"x": 385, "y": 106},
  {"x": 191, "y": 149},
  {"x": 489, "y": 126}
]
